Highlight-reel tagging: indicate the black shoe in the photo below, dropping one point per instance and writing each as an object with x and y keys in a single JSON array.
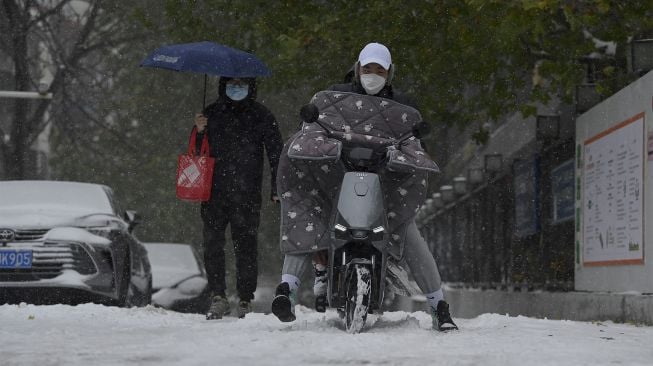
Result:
[
  {"x": 244, "y": 308},
  {"x": 321, "y": 303},
  {"x": 219, "y": 308},
  {"x": 441, "y": 318},
  {"x": 282, "y": 305}
]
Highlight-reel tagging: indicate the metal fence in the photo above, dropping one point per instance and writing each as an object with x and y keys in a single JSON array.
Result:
[{"x": 485, "y": 238}]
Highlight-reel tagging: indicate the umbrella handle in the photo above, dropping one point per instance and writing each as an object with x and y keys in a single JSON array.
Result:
[{"x": 204, "y": 96}]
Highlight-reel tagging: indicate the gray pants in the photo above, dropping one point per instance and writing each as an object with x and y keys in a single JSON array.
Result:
[{"x": 418, "y": 257}]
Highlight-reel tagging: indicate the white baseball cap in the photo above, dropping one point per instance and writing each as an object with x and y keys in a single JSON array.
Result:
[{"x": 375, "y": 53}]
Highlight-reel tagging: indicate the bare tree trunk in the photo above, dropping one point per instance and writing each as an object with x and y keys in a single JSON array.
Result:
[{"x": 18, "y": 145}]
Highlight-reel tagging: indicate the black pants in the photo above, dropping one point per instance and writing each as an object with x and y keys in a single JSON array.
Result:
[{"x": 244, "y": 220}]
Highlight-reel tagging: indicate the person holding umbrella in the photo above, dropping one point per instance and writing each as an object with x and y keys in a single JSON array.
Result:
[{"x": 239, "y": 129}]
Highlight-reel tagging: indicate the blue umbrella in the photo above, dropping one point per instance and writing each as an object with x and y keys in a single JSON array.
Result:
[{"x": 207, "y": 58}]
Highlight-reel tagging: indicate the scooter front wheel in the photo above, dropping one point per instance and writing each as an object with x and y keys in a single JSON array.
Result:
[{"x": 359, "y": 285}]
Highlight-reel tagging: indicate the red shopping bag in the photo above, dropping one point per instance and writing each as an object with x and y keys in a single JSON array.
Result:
[{"x": 195, "y": 172}]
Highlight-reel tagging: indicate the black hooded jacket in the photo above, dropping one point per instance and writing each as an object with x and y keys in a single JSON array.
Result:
[{"x": 238, "y": 134}]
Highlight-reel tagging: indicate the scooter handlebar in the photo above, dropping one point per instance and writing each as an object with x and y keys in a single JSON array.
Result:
[{"x": 310, "y": 114}]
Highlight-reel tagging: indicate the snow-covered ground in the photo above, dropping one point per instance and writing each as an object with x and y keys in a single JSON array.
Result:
[{"x": 100, "y": 335}]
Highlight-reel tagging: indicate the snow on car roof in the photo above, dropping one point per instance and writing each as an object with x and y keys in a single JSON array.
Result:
[
  {"x": 171, "y": 263},
  {"x": 76, "y": 196}
]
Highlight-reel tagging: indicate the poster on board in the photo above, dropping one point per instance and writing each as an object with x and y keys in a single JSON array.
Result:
[
  {"x": 527, "y": 205},
  {"x": 562, "y": 186},
  {"x": 613, "y": 195}
]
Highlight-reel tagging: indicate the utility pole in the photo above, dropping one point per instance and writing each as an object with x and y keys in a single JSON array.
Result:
[
  {"x": 41, "y": 93},
  {"x": 24, "y": 95}
]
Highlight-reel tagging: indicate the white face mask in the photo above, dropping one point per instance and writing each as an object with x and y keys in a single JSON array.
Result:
[{"x": 372, "y": 83}]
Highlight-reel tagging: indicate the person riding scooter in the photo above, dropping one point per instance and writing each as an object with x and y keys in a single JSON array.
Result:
[{"x": 373, "y": 75}]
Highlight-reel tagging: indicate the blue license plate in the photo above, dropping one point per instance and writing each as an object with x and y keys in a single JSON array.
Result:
[{"x": 15, "y": 258}]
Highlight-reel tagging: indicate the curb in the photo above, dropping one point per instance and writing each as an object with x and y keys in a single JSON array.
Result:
[{"x": 578, "y": 306}]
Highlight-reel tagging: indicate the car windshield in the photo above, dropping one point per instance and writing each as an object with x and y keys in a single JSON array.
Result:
[
  {"x": 171, "y": 263},
  {"x": 49, "y": 195}
]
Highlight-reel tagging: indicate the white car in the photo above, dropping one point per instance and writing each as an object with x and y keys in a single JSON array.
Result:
[
  {"x": 64, "y": 242},
  {"x": 179, "y": 279}
]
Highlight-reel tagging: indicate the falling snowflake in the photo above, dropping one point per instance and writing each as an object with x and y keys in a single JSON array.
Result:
[
  {"x": 404, "y": 118},
  {"x": 395, "y": 237},
  {"x": 300, "y": 174},
  {"x": 423, "y": 182},
  {"x": 284, "y": 238},
  {"x": 314, "y": 192},
  {"x": 391, "y": 215},
  {"x": 286, "y": 195},
  {"x": 325, "y": 168},
  {"x": 317, "y": 209},
  {"x": 322, "y": 116},
  {"x": 367, "y": 127},
  {"x": 359, "y": 104},
  {"x": 384, "y": 103},
  {"x": 292, "y": 214},
  {"x": 368, "y": 138},
  {"x": 309, "y": 227},
  {"x": 402, "y": 191},
  {"x": 297, "y": 147}
]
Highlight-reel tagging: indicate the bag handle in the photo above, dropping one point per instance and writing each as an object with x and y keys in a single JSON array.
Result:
[{"x": 204, "y": 150}]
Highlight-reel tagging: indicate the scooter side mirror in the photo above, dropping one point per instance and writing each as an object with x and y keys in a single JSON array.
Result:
[
  {"x": 309, "y": 113},
  {"x": 421, "y": 130}
]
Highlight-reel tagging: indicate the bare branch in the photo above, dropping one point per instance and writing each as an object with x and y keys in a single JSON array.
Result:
[
  {"x": 120, "y": 137},
  {"x": 73, "y": 138},
  {"x": 46, "y": 14},
  {"x": 70, "y": 63}
]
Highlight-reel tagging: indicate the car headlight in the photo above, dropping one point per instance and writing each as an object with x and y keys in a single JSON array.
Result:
[
  {"x": 99, "y": 224},
  {"x": 103, "y": 231}
]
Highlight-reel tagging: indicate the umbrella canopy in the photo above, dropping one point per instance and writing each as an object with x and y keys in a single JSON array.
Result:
[{"x": 207, "y": 58}]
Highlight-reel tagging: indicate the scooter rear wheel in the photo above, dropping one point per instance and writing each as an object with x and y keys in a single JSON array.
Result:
[{"x": 359, "y": 284}]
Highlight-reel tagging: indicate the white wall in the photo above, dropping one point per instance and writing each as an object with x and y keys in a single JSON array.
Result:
[{"x": 609, "y": 275}]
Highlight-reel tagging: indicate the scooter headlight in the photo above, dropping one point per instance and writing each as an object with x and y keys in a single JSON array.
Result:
[{"x": 340, "y": 227}]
